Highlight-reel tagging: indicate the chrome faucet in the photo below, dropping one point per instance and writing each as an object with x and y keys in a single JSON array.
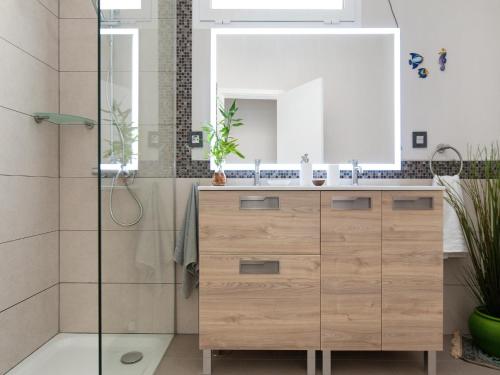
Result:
[
  {"x": 356, "y": 171},
  {"x": 256, "y": 178}
]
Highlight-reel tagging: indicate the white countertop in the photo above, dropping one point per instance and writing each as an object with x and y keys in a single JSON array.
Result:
[{"x": 321, "y": 188}]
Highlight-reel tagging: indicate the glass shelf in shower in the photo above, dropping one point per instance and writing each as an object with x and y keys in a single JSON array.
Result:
[{"x": 63, "y": 119}]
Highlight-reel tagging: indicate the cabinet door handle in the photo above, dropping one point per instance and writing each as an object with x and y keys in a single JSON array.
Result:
[
  {"x": 259, "y": 267},
  {"x": 412, "y": 203},
  {"x": 259, "y": 203},
  {"x": 351, "y": 203}
]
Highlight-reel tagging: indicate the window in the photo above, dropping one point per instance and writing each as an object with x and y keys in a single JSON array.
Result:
[
  {"x": 121, "y": 4},
  {"x": 337, "y": 12},
  {"x": 278, "y": 4}
]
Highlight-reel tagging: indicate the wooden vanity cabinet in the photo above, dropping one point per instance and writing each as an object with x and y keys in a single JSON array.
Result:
[
  {"x": 351, "y": 259},
  {"x": 412, "y": 270},
  {"x": 259, "y": 222},
  {"x": 329, "y": 270},
  {"x": 259, "y": 270},
  {"x": 259, "y": 309}
]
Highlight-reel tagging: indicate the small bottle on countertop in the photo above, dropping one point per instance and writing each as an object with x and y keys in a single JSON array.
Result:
[{"x": 306, "y": 171}]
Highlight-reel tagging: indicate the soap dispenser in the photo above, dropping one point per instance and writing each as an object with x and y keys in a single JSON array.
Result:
[{"x": 306, "y": 171}]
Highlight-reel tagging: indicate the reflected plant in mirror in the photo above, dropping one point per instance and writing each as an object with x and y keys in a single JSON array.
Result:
[
  {"x": 222, "y": 144},
  {"x": 121, "y": 150}
]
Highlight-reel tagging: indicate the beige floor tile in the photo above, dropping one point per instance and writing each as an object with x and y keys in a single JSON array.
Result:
[{"x": 183, "y": 357}]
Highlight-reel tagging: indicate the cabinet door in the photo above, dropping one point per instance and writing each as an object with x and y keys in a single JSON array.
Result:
[
  {"x": 412, "y": 271},
  {"x": 258, "y": 303},
  {"x": 260, "y": 222},
  {"x": 351, "y": 270}
]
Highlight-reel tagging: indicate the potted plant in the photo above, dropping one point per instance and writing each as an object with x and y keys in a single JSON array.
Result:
[
  {"x": 222, "y": 144},
  {"x": 481, "y": 228}
]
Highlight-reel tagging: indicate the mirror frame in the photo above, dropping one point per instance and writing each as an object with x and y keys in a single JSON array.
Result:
[{"x": 215, "y": 32}]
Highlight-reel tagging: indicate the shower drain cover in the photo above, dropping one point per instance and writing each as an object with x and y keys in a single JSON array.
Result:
[{"x": 131, "y": 358}]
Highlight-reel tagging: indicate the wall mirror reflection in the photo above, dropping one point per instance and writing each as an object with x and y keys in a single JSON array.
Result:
[{"x": 330, "y": 93}]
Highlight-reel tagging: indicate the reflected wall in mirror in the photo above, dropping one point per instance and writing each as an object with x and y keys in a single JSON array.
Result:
[{"x": 331, "y": 93}]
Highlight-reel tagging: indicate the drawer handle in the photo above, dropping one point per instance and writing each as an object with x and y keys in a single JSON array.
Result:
[
  {"x": 412, "y": 203},
  {"x": 256, "y": 267},
  {"x": 351, "y": 203},
  {"x": 259, "y": 203}
]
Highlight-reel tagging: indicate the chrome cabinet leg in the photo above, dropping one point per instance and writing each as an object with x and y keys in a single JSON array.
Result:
[
  {"x": 207, "y": 362},
  {"x": 431, "y": 362},
  {"x": 327, "y": 362},
  {"x": 311, "y": 362}
]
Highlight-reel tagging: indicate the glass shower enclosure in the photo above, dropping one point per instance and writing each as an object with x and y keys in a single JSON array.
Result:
[{"x": 136, "y": 183}]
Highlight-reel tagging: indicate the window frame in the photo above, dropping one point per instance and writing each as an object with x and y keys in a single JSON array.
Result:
[{"x": 206, "y": 17}]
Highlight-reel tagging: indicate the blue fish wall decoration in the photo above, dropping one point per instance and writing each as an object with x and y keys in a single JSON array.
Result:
[
  {"x": 415, "y": 60},
  {"x": 423, "y": 73}
]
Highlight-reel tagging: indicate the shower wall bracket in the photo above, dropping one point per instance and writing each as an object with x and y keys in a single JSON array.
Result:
[{"x": 62, "y": 119}]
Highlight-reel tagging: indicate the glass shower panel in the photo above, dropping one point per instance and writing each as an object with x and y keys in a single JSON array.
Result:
[{"x": 137, "y": 178}]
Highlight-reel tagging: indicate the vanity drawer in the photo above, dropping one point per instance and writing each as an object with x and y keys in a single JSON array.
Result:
[
  {"x": 412, "y": 270},
  {"x": 351, "y": 220},
  {"x": 259, "y": 222},
  {"x": 258, "y": 303}
]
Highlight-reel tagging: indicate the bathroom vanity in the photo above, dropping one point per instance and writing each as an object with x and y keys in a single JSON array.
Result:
[{"x": 334, "y": 269}]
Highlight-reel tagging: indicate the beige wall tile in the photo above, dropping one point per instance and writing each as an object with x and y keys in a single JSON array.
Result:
[
  {"x": 30, "y": 26},
  {"x": 458, "y": 305},
  {"x": 156, "y": 196},
  {"x": 187, "y": 312},
  {"x": 454, "y": 270},
  {"x": 27, "y": 148},
  {"x": 77, "y": 9},
  {"x": 29, "y": 206},
  {"x": 78, "y": 45},
  {"x": 139, "y": 308},
  {"x": 28, "y": 266},
  {"x": 79, "y": 94},
  {"x": 28, "y": 85},
  {"x": 79, "y": 204},
  {"x": 52, "y": 5},
  {"x": 27, "y": 326},
  {"x": 137, "y": 257},
  {"x": 78, "y": 151},
  {"x": 79, "y": 308},
  {"x": 79, "y": 256}
]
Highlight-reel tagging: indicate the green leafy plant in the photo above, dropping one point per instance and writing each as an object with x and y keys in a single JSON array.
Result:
[
  {"x": 222, "y": 144},
  {"x": 481, "y": 225},
  {"x": 121, "y": 119}
]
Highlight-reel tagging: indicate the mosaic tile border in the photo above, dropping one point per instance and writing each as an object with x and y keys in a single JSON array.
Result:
[{"x": 187, "y": 168}]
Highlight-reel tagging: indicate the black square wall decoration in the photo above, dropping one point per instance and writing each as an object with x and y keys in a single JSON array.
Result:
[{"x": 419, "y": 139}]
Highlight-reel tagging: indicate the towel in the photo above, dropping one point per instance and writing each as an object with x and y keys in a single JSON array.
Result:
[
  {"x": 453, "y": 238},
  {"x": 186, "y": 248}
]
